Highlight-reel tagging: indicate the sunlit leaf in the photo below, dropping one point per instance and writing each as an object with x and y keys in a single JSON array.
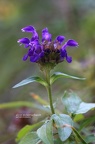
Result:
[
  {"x": 78, "y": 117},
  {"x": 30, "y": 80},
  {"x": 30, "y": 138},
  {"x": 74, "y": 104},
  {"x": 45, "y": 133},
  {"x": 63, "y": 123},
  {"x": 58, "y": 75}
]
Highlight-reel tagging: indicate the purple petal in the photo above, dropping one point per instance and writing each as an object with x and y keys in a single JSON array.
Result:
[
  {"x": 60, "y": 38},
  {"x": 68, "y": 59},
  {"x": 45, "y": 30},
  {"x": 72, "y": 43},
  {"x": 63, "y": 53},
  {"x": 35, "y": 36},
  {"x": 28, "y": 29},
  {"x": 25, "y": 57},
  {"x": 30, "y": 52},
  {"x": 41, "y": 54},
  {"x": 24, "y": 41},
  {"x": 38, "y": 49},
  {"x": 34, "y": 58},
  {"x": 46, "y": 35},
  {"x": 32, "y": 30},
  {"x": 34, "y": 42},
  {"x": 26, "y": 45}
]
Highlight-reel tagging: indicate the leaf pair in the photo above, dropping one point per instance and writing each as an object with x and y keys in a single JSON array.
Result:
[{"x": 54, "y": 77}]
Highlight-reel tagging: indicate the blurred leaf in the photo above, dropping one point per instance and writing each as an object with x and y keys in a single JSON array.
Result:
[
  {"x": 45, "y": 133},
  {"x": 63, "y": 123},
  {"x": 23, "y": 103},
  {"x": 48, "y": 106},
  {"x": 90, "y": 139},
  {"x": 30, "y": 80},
  {"x": 74, "y": 104},
  {"x": 30, "y": 138},
  {"x": 57, "y": 141},
  {"x": 39, "y": 99},
  {"x": 79, "y": 136},
  {"x": 57, "y": 75},
  {"x": 78, "y": 117},
  {"x": 17, "y": 104},
  {"x": 85, "y": 107},
  {"x": 87, "y": 122},
  {"x": 26, "y": 129}
]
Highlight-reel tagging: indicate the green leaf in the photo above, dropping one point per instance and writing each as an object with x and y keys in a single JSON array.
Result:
[
  {"x": 64, "y": 124},
  {"x": 27, "y": 129},
  {"x": 57, "y": 141},
  {"x": 87, "y": 122},
  {"x": 79, "y": 136},
  {"x": 17, "y": 104},
  {"x": 79, "y": 117},
  {"x": 57, "y": 75},
  {"x": 90, "y": 139},
  {"x": 74, "y": 104},
  {"x": 45, "y": 133},
  {"x": 23, "y": 103},
  {"x": 30, "y": 80},
  {"x": 30, "y": 138},
  {"x": 85, "y": 107}
]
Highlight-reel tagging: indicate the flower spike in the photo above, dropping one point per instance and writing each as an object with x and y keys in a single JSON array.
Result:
[{"x": 47, "y": 51}]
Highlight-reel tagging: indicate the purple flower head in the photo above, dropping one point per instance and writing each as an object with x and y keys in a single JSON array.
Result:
[{"x": 46, "y": 51}]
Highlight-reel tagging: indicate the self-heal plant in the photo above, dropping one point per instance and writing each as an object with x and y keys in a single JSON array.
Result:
[
  {"x": 46, "y": 53},
  {"x": 58, "y": 128}
]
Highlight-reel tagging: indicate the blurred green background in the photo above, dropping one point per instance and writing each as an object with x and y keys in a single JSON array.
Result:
[{"x": 74, "y": 19}]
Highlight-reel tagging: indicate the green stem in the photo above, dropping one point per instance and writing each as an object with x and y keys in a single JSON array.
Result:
[
  {"x": 48, "y": 87},
  {"x": 50, "y": 98}
]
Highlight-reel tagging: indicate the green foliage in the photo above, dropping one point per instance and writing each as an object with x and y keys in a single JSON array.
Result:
[
  {"x": 79, "y": 136},
  {"x": 26, "y": 130},
  {"x": 86, "y": 122},
  {"x": 63, "y": 123},
  {"x": 58, "y": 75},
  {"x": 17, "y": 104},
  {"x": 75, "y": 105},
  {"x": 30, "y": 138},
  {"x": 90, "y": 139},
  {"x": 45, "y": 133},
  {"x": 30, "y": 80},
  {"x": 57, "y": 141}
]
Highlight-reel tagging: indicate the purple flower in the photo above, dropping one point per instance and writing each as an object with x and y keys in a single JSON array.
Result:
[{"x": 46, "y": 51}]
